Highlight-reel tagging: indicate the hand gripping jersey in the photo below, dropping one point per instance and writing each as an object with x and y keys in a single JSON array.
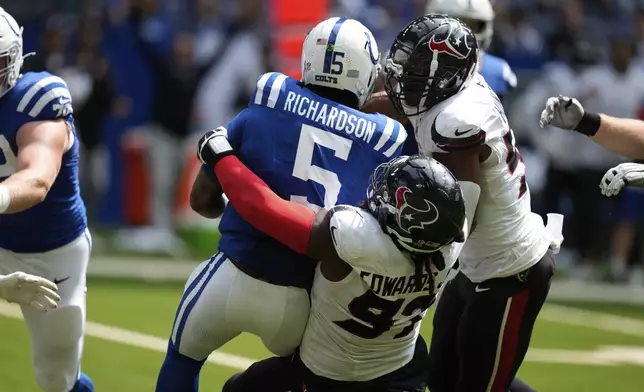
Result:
[
  {"x": 307, "y": 149},
  {"x": 61, "y": 217},
  {"x": 508, "y": 237},
  {"x": 366, "y": 325}
]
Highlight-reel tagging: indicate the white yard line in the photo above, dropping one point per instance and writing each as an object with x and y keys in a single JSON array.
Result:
[
  {"x": 136, "y": 339},
  {"x": 591, "y": 319},
  {"x": 603, "y": 356}
]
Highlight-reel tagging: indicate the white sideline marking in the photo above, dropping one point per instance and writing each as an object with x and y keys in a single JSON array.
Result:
[
  {"x": 602, "y": 356},
  {"x": 136, "y": 339},
  {"x": 592, "y": 319}
]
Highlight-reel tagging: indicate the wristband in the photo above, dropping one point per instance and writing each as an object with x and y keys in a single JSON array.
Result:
[
  {"x": 589, "y": 124},
  {"x": 5, "y": 198}
]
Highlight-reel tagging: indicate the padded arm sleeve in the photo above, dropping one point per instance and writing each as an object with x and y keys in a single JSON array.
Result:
[{"x": 288, "y": 222}]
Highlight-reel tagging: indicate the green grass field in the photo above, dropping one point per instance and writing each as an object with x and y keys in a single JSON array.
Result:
[{"x": 577, "y": 331}]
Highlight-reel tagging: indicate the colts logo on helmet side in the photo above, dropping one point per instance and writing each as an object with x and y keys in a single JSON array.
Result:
[
  {"x": 455, "y": 44},
  {"x": 408, "y": 216},
  {"x": 369, "y": 48}
]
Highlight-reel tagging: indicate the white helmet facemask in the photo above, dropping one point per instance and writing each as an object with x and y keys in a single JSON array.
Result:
[{"x": 11, "y": 57}]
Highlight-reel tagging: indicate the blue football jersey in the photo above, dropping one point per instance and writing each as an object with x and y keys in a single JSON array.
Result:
[
  {"x": 61, "y": 217},
  {"x": 307, "y": 149},
  {"x": 498, "y": 74}
]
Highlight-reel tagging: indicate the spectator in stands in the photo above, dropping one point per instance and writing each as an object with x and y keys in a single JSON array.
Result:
[
  {"x": 615, "y": 89},
  {"x": 51, "y": 56},
  {"x": 229, "y": 82},
  {"x": 626, "y": 100},
  {"x": 517, "y": 40},
  {"x": 94, "y": 98},
  {"x": 177, "y": 81},
  {"x": 553, "y": 178}
]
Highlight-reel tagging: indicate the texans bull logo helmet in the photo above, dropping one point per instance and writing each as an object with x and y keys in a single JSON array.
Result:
[
  {"x": 418, "y": 202},
  {"x": 429, "y": 61}
]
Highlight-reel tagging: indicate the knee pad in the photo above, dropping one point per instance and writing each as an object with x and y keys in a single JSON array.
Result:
[
  {"x": 55, "y": 382},
  {"x": 66, "y": 325}
]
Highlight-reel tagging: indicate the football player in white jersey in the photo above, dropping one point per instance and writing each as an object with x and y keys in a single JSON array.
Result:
[
  {"x": 375, "y": 278},
  {"x": 484, "y": 319}
]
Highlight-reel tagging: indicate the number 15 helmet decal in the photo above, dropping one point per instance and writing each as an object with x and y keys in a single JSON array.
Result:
[{"x": 341, "y": 53}]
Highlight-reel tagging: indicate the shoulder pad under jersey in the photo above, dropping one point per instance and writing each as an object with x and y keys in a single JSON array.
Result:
[
  {"x": 269, "y": 88},
  {"x": 42, "y": 96},
  {"x": 361, "y": 243},
  {"x": 280, "y": 92},
  {"x": 473, "y": 117}
]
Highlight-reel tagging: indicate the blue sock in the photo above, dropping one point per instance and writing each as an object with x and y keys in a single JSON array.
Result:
[
  {"x": 178, "y": 372},
  {"x": 83, "y": 384}
]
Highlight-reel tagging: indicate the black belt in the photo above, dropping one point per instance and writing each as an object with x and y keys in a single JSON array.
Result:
[{"x": 251, "y": 273}]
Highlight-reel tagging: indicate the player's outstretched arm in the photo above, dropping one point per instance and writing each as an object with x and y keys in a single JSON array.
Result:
[
  {"x": 620, "y": 135},
  {"x": 41, "y": 145},
  {"x": 206, "y": 196},
  {"x": 291, "y": 223},
  {"x": 623, "y": 136}
]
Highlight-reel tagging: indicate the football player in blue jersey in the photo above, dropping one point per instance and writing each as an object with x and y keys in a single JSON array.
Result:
[
  {"x": 43, "y": 225},
  {"x": 310, "y": 143}
]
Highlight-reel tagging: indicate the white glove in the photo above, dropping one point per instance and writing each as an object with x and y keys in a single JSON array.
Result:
[
  {"x": 626, "y": 174},
  {"x": 562, "y": 112},
  {"x": 26, "y": 289}
]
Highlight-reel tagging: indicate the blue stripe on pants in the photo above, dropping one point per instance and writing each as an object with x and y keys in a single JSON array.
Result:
[{"x": 197, "y": 287}]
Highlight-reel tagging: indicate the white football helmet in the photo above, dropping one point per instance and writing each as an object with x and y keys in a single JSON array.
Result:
[
  {"x": 342, "y": 54},
  {"x": 477, "y": 14},
  {"x": 10, "y": 52}
]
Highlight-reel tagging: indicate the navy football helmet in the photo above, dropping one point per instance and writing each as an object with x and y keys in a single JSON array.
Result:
[
  {"x": 429, "y": 61},
  {"x": 418, "y": 202}
]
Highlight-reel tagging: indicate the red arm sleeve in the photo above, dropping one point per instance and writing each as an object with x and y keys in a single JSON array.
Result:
[{"x": 288, "y": 222}]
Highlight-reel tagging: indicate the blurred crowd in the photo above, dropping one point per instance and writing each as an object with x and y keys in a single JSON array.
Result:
[{"x": 148, "y": 75}]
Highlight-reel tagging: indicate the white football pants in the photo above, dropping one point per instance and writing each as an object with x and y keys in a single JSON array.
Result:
[
  {"x": 219, "y": 302},
  {"x": 56, "y": 335}
]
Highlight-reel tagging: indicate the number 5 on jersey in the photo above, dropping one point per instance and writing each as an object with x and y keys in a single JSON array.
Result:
[{"x": 305, "y": 170}]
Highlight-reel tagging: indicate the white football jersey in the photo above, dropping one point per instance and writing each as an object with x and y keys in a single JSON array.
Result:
[
  {"x": 508, "y": 237},
  {"x": 366, "y": 325}
]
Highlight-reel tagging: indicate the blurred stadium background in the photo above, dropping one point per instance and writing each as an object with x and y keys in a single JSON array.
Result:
[{"x": 148, "y": 76}]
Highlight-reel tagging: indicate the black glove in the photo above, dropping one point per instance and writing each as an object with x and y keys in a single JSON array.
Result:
[{"x": 213, "y": 146}]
